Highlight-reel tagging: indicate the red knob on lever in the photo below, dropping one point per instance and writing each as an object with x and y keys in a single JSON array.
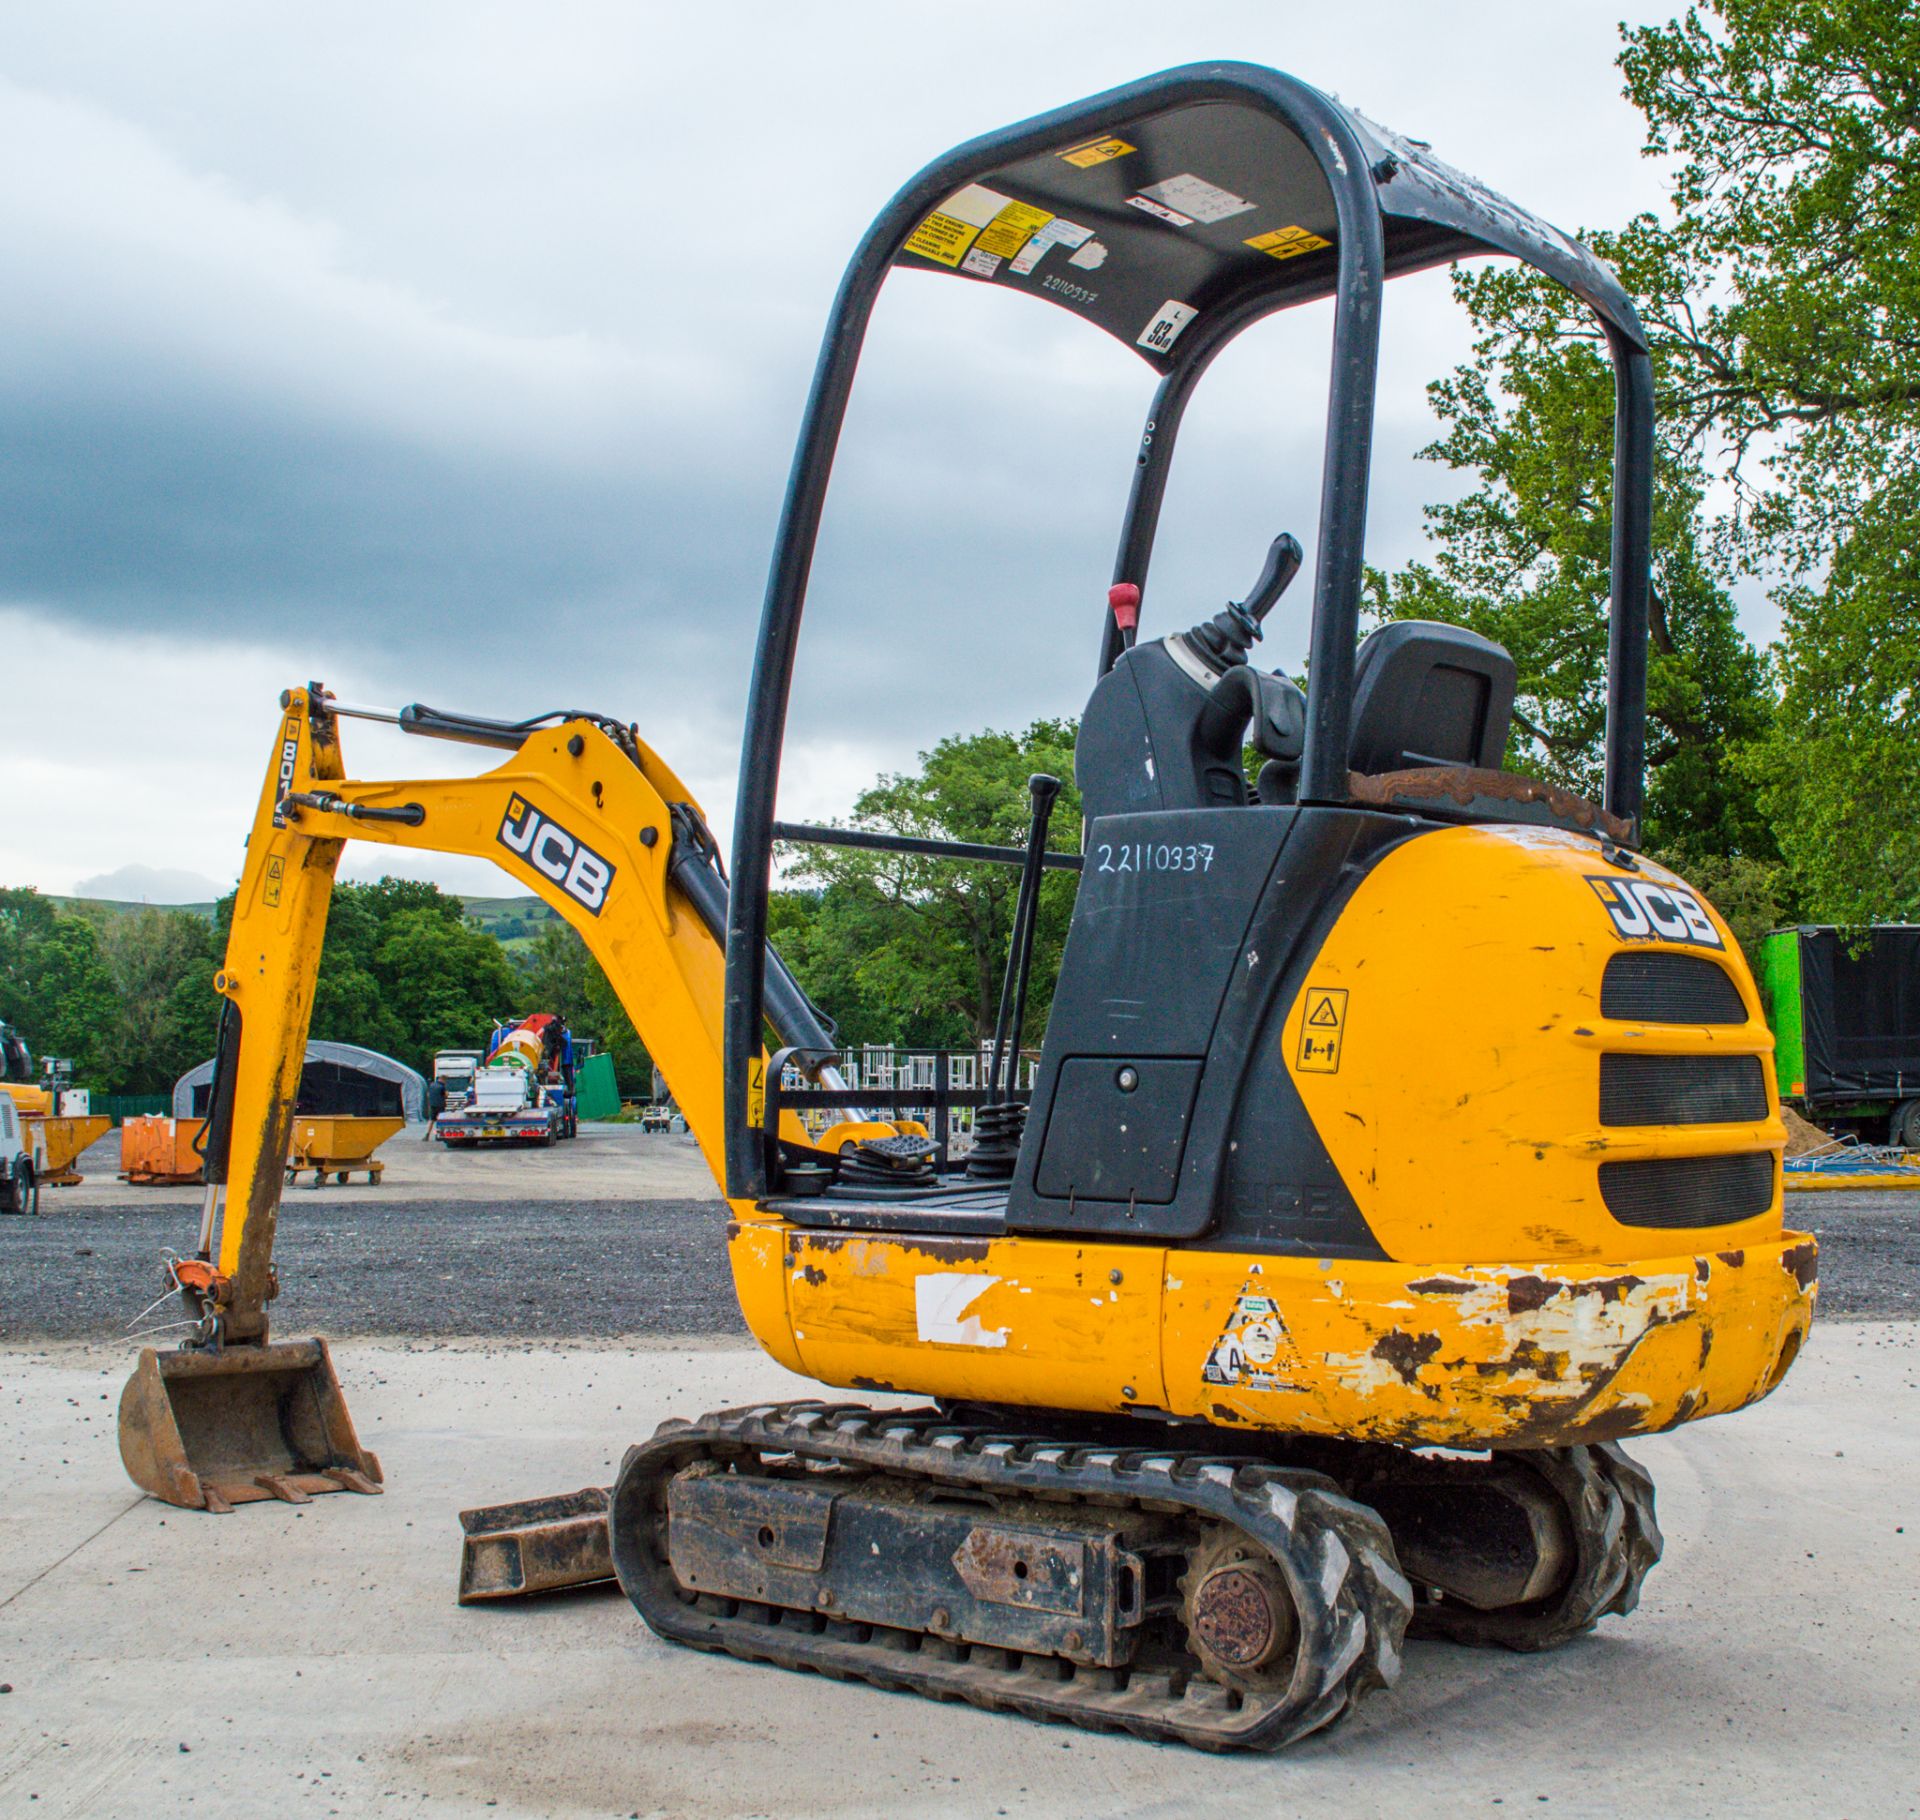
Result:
[{"x": 1124, "y": 598}]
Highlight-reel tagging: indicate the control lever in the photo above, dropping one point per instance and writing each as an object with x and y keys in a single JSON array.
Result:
[
  {"x": 999, "y": 1124},
  {"x": 1225, "y": 639}
]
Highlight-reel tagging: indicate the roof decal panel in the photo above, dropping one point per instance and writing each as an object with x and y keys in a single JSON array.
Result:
[{"x": 1145, "y": 227}]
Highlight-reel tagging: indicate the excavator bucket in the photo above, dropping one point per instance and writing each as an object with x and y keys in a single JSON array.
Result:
[{"x": 209, "y": 1430}]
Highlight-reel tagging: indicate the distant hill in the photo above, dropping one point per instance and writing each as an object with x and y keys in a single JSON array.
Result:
[{"x": 514, "y": 922}]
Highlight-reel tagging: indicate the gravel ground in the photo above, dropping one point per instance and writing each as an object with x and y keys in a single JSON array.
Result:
[
  {"x": 507, "y": 1269},
  {"x": 595, "y": 1269}
]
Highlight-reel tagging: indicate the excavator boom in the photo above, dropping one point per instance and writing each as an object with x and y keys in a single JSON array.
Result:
[{"x": 582, "y": 813}]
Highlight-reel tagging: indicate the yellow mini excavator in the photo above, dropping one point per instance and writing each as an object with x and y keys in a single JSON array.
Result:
[{"x": 1402, "y": 1137}]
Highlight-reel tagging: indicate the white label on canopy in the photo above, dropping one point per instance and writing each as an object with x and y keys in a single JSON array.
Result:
[
  {"x": 1194, "y": 196},
  {"x": 976, "y": 205},
  {"x": 1164, "y": 330}
]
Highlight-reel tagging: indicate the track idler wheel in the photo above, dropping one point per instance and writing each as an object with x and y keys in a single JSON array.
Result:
[{"x": 1614, "y": 1541}]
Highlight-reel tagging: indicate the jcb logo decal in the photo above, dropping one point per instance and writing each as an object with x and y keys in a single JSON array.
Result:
[
  {"x": 547, "y": 847},
  {"x": 1642, "y": 911}
]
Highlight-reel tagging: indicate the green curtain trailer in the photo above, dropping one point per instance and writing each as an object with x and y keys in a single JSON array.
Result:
[
  {"x": 1845, "y": 1009},
  {"x": 596, "y": 1095}
]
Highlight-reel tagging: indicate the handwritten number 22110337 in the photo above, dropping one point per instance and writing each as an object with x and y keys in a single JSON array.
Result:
[{"x": 1152, "y": 856}]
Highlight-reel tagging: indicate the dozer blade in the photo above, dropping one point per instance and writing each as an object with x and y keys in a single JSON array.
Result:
[
  {"x": 538, "y": 1545},
  {"x": 209, "y": 1430}
]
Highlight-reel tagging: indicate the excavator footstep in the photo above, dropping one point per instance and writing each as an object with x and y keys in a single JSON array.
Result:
[
  {"x": 538, "y": 1545},
  {"x": 209, "y": 1430}
]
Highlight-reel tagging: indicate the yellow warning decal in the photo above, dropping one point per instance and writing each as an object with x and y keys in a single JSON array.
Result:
[
  {"x": 1097, "y": 151},
  {"x": 1012, "y": 228},
  {"x": 1288, "y": 242},
  {"x": 276, "y": 871},
  {"x": 757, "y": 1092},
  {"x": 1323, "y": 1030},
  {"x": 942, "y": 238}
]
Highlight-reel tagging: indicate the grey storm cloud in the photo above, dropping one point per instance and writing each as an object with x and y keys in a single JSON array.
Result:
[{"x": 471, "y": 344}]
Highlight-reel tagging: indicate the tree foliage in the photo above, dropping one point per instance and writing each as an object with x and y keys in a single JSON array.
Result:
[
  {"x": 1783, "y": 312},
  {"x": 912, "y": 951}
]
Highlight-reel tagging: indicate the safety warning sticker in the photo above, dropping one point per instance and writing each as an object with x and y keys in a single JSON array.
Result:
[
  {"x": 1164, "y": 330},
  {"x": 1288, "y": 242},
  {"x": 942, "y": 237},
  {"x": 1253, "y": 1348},
  {"x": 1323, "y": 1030},
  {"x": 1194, "y": 196},
  {"x": 980, "y": 262},
  {"x": 276, "y": 872},
  {"x": 1097, "y": 151},
  {"x": 1011, "y": 228},
  {"x": 1091, "y": 257}
]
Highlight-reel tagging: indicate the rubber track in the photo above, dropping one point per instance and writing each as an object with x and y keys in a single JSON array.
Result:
[
  {"x": 1353, "y": 1602},
  {"x": 1608, "y": 1498}
]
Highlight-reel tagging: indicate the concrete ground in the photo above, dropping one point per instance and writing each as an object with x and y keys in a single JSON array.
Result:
[
  {"x": 163, "y": 1662},
  {"x": 603, "y": 1162}
]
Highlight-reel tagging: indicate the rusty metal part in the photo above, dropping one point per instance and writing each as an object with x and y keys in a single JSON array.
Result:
[
  {"x": 878, "y": 1549},
  {"x": 1496, "y": 795},
  {"x": 1333, "y": 1557},
  {"x": 1240, "y": 1616},
  {"x": 1486, "y": 1533},
  {"x": 539, "y": 1545},
  {"x": 208, "y": 1429}
]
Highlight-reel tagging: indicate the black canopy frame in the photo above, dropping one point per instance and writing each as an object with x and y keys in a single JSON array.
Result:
[{"x": 1387, "y": 207}]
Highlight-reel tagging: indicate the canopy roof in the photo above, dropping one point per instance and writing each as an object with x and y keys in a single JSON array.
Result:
[
  {"x": 1170, "y": 214},
  {"x": 347, "y": 1056}
]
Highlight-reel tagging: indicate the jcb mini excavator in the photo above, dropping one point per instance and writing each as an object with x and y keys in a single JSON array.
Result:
[{"x": 1402, "y": 1138}]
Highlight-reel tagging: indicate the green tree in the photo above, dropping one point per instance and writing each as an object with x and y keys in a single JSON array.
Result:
[
  {"x": 911, "y": 951},
  {"x": 1795, "y": 129},
  {"x": 55, "y": 987},
  {"x": 443, "y": 979},
  {"x": 1525, "y": 559},
  {"x": 166, "y": 1015}
]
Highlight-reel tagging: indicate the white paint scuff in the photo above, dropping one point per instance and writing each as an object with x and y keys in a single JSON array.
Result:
[{"x": 940, "y": 1303}]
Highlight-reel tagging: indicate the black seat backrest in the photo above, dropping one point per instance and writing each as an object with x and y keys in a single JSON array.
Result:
[{"x": 1425, "y": 693}]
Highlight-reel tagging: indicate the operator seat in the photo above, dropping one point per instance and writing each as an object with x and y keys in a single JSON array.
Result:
[{"x": 1426, "y": 693}]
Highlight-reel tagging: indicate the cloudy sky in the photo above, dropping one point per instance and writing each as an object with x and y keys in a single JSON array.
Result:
[{"x": 454, "y": 352}]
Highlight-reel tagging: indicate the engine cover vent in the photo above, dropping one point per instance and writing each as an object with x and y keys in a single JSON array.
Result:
[
  {"x": 1682, "y": 1090},
  {"x": 1660, "y": 988},
  {"x": 1687, "y": 1191}
]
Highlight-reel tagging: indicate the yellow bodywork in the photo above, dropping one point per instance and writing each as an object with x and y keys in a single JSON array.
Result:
[
  {"x": 1460, "y": 1106},
  {"x": 1462, "y": 981}
]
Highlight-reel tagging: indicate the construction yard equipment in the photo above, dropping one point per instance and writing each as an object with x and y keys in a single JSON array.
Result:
[
  {"x": 339, "y": 1146},
  {"x": 161, "y": 1152},
  {"x": 519, "y": 1094},
  {"x": 1402, "y": 1138},
  {"x": 19, "y": 1180},
  {"x": 61, "y": 1140}
]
